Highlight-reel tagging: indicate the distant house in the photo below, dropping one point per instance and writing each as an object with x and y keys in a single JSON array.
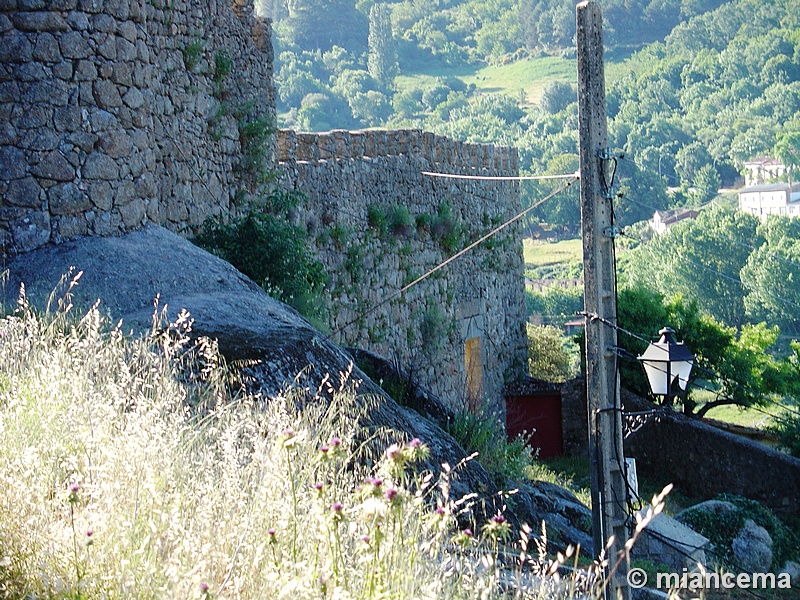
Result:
[
  {"x": 664, "y": 219},
  {"x": 761, "y": 170},
  {"x": 771, "y": 199}
]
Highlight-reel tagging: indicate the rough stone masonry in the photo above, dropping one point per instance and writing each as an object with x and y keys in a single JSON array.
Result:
[
  {"x": 114, "y": 113},
  {"x": 119, "y": 113}
]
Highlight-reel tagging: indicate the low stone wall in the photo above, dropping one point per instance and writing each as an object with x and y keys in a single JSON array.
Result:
[
  {"x": 702, "y": 461},
  {"x": 377, "y": 223}
]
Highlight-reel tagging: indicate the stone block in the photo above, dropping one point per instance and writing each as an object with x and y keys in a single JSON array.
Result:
[
  {"x": 100, "y": 166},
  {"x": 8, "y": 134},
  {"x": 31, "y": 4},
  {"x": 133, "y": 214},
  {"x": 63, "y": 70},
  {"x": 67, "y": 118},
  {"x": 83, "y": 140},
  {"x": 38, "y": 140},
  {"x": 5, "y": 23},
  {"x": 122, "y": 73},
  {"x": 79, "y": 21},
  {"x": 85, "y": 71},
  {"x": 24, "y": 192},
  {"x": 54, "y": 166},
  {"x": 91, "y": 6},
  {"x": 63, "y": 5},
  {"x": 106, "y": 94},
  {"x": 13, "y": 164},
  {"x": 35, "y": 117},
  {"x": 31, "y": 231},
  {"x": 30, "y": 72},
  {"x": 125, "y": 49},
  {"x": 104, "y": 23},
  {"x": 133, "y": 98},
  {"x": 10, "y": 92},
  {"x": 116, "y": 144},
  {"x": 101, "y": 195},
  {"x": 108, "y": 48},
  {"x": 128, "y": 30},
  {"x": 67, "y": 199},
  {"x": 46, "y": 48},
  {"x": 51, "y": 91},
  {"x": 39, "y": 21},
  {"x": 119, "y": 9},
  {"x": 72, "y": 226},
  {"x": 73, "y": 45},
  {"x": 15, "y": 48}
]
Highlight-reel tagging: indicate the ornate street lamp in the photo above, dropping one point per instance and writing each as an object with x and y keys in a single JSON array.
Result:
[{"x": 664, "y": 362}]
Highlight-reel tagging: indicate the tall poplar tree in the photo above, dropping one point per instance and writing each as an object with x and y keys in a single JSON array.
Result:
[{"x": 382, "y": 57}]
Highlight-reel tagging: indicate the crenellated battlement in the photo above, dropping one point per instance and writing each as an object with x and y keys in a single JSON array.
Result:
[{"x": 374, "y": 143}]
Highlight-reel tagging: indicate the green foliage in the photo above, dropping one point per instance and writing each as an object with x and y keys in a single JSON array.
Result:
[
  {"x": 382, "y": 58},
  {"x": 434, "y": 329},
  {"x": 787, "y": 429},
  {"x": 736, "y": 363},
  {"x": 483, "y": 433},
  {"x": 254, "y": 135},
  {"x": 722, "y": 526},
  {"x": 192, "y": 54},
  {"x": 555, "y": 304},
  {"x": 266, "y": 247},
  {"x": 447, "y": 229},
  {"x": 702, "y": 258},
  {"x": 556, "y": 96},
  {"x": 552, "y": 356},
  {"x": 223, "y": 63}
]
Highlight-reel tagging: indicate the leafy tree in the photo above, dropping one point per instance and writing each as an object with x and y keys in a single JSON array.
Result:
[
  {"x": 737, "y": 364},
  {"x": 787, "y": 149},
  {"x": 382, "y": 57},
  {"x": 555, "y": 304},
  {"x": 552, "y": 356},
  {"x": 701, "y": 258},
  {"x": 556, "y": 96},
  {"x": 771, "y": 275},
  {"x": 706, "y": 183},
  {"x": 324, "y": 112}
]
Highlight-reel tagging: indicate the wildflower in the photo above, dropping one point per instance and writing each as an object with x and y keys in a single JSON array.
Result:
[
  {"x": 337, "y": 507},
  {"x": 272, "y": 538},
  {"x": 89, "y": 534},
  {"x": 288, "y": 438},
  {"x": 334, "y": 442},
  {"x": 324, "y": 449},
  {"x": 204, "y": 588},
  {"x": 73, "y": 493},
  {"x": 497, "y": 527},
  {"x": 394, "y": 453},
  {"x": 440, "y": 511},
  {"x": 394, "y": 497},
  {"x": 463, "y": 538},
  {"x": 417, "y": 450}
]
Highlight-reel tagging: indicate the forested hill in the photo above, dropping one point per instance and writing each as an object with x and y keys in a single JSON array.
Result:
[
  {"x": 459, "y": 31},
  {"x": 721, "y": 87}
]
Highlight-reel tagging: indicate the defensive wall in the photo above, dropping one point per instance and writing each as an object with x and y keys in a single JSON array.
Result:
[
  {"x": 114, "y": 113},
  {"x": 378, "y": 223}
]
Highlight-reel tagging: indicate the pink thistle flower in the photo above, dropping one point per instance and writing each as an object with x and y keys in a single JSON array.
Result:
[{"x": 415, "y": 443}]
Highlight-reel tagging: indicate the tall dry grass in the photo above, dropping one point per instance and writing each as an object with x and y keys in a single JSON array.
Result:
[{"x": 136, "y": 468}]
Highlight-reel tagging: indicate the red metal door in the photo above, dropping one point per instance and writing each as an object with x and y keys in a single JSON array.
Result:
[{"x": 540, "y": 415}]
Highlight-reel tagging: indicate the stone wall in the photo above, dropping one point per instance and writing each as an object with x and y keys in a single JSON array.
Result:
[
  {"x": 378, "y": 223},
  {"x": 114, "y": 113},
  {"x": 702, "y": 461}
]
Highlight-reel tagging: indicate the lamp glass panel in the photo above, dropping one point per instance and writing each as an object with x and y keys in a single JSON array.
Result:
[
  {"x": 657, "y": 376},
  {"x": 681, "y": 369}
]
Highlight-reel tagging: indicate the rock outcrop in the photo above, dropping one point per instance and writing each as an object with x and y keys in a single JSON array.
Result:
[{"x": 274, "y": 342}]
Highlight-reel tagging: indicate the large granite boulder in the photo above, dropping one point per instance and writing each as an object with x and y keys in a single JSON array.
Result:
[{"x": 276, "y": 345}]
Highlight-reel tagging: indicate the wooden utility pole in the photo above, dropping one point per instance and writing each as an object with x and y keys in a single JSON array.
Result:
[{"x": 609, "y": 489}]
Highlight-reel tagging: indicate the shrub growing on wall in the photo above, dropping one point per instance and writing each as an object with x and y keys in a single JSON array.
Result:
[{"x": 268, "y": 248}]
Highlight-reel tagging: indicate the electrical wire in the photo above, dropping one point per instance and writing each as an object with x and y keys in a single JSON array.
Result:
[
  {"x": 446, "y": 262},
  {"x": 575, "y": 175}
]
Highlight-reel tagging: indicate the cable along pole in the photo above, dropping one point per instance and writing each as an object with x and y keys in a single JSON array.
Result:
[{"x": 609, "y": 490}]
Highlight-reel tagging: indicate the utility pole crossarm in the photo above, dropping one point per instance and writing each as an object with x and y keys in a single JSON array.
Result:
[{"x": 609, "y": 485}]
